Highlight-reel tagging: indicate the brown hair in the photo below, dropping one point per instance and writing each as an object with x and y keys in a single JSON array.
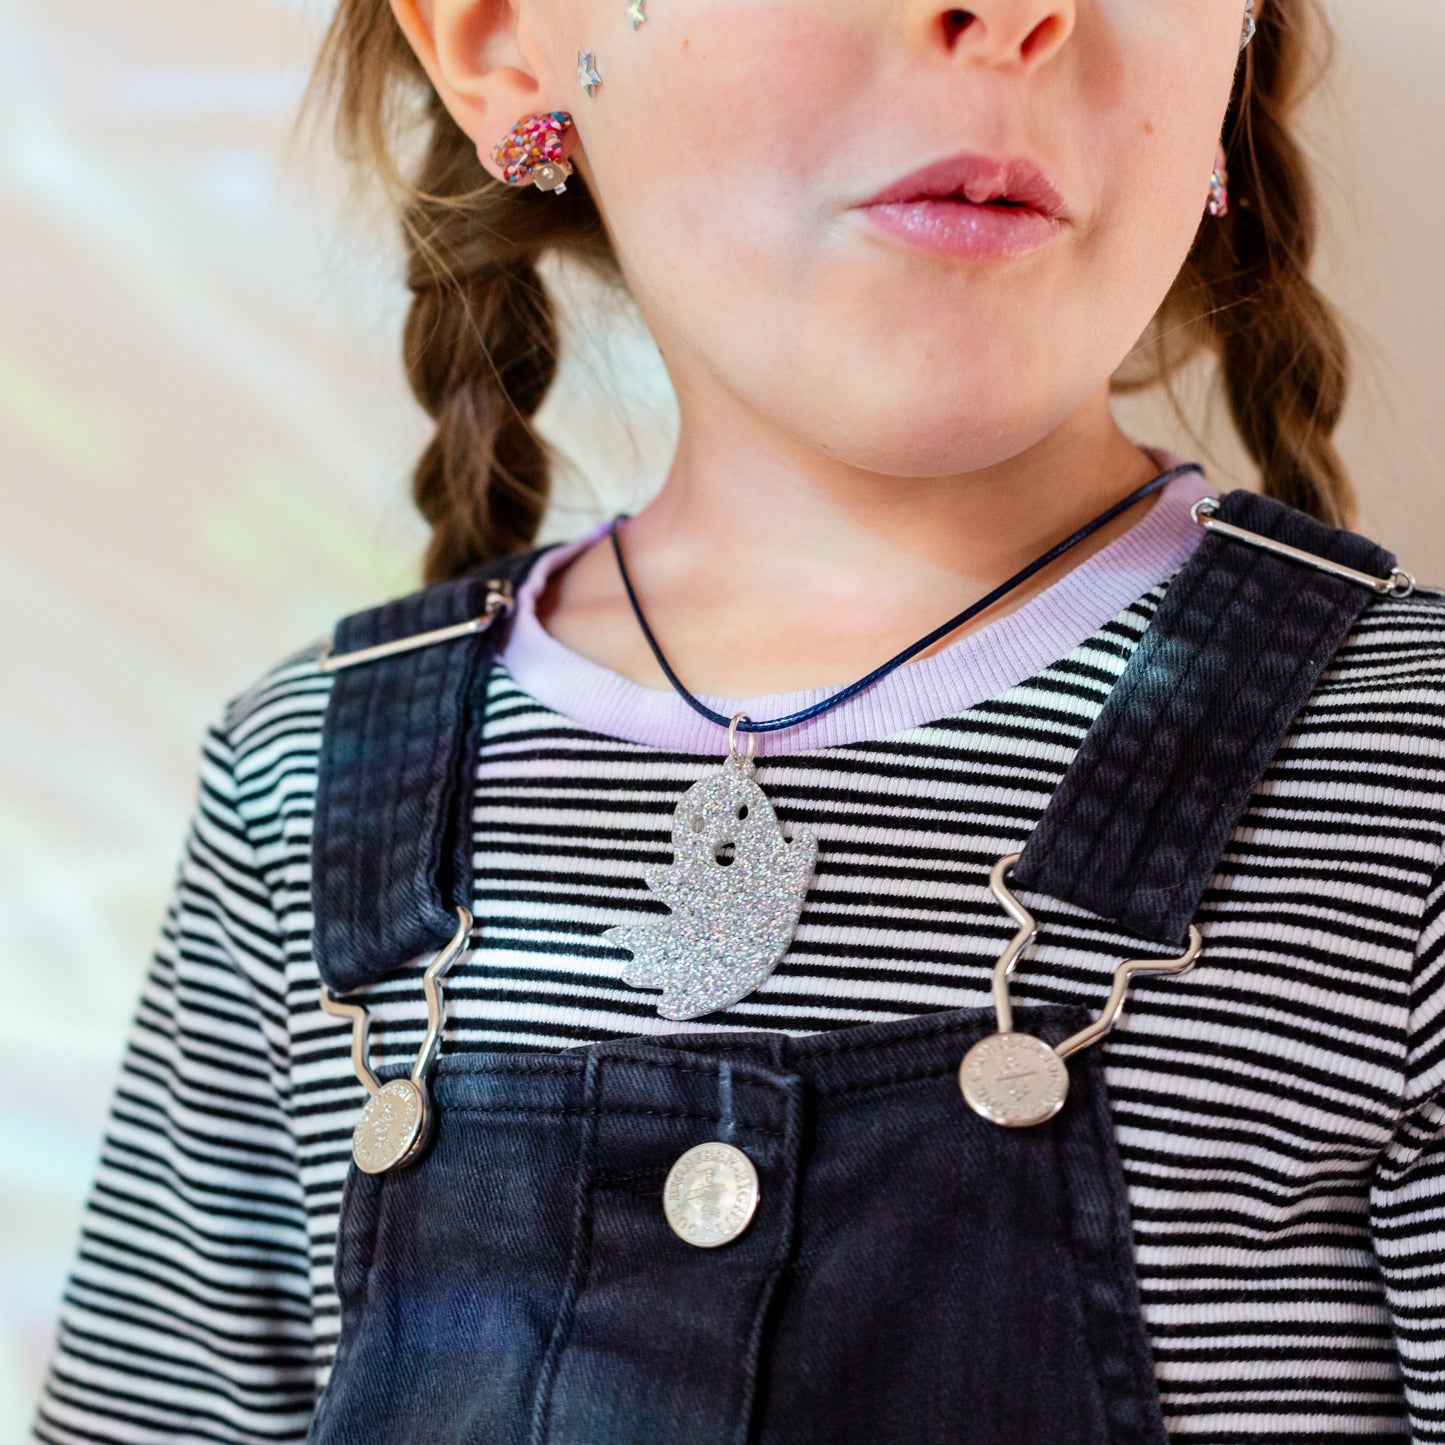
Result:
[
  {"x": 1245, "y": 293},
  {"x": 481, "y": 338}
]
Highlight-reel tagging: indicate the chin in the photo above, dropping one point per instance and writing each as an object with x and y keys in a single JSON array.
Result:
[{"x": 929, "y": 440}]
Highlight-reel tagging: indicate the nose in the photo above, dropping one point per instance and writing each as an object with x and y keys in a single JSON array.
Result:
[{"x": 1023, "y": 33}]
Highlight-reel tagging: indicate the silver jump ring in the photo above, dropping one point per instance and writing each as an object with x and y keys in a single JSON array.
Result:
[
  {"x": 752, "y": 738},
  {"x": 1402, "y": 583}
]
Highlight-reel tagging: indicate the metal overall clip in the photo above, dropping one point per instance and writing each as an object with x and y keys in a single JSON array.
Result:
[
  {"x": 396, "y": 1121},
  {"x": 397, "y": 1118},
  {"x": 499, "y": 601},
  {"x": 1016, "y": 1079},
  {"x": 1399, "y": 583}
]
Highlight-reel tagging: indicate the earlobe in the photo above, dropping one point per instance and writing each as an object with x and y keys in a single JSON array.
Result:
[
  {"x": 535, "y": 152},
  {"x": 470, "y": 52}
]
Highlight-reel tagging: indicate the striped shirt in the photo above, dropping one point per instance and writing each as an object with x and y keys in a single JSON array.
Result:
[{"x": 1279, "y": 1110}]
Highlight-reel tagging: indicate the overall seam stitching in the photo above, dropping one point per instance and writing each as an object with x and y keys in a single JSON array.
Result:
[{"x": 580, "y": 1265}]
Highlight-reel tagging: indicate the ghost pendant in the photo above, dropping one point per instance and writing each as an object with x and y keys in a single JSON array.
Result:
[{"x": 735, "y": 887}]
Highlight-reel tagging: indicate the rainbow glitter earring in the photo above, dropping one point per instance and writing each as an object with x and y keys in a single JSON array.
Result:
[
  {"x": 1219, "y": 187},
  {"x": 1247, "y": 34},
  {"x": 533, "y": 151}
]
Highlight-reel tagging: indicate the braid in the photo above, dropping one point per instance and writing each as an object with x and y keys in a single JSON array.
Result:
[
  {"x": 481, "y": 351},
  {"x": 481, "y": 337},
  {"x": 1245, "y": 291}
]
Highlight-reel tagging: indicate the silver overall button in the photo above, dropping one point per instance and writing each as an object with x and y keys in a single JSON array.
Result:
[
  {"x": 1014, "y": 1079},
  {"x": 710, "y": 1194},
  {"x": 390, "y": 1127}
]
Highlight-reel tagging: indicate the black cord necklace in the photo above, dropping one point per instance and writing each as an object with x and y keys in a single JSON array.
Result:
[
  {"x": 743, "y": 724},
  {"x": 736, "y": 885}
]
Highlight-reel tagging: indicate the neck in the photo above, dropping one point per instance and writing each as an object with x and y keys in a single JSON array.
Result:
[
  {"x": 751, "y": 510},
  {"x": 766, "y": 567}
]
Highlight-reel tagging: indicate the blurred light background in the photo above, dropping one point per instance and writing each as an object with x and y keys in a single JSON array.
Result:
[{"x": 205, "y": 435}]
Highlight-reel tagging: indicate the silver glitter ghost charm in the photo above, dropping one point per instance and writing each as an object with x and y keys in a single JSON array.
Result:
[{"x": 735, "y": 888}]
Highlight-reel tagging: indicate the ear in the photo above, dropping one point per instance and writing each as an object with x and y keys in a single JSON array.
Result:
[{"x": 478, "y": 59}]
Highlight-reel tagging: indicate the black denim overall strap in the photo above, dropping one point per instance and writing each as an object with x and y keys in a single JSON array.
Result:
[
  {"x": 1137, "y": 825},
  {"x": 389, "y": 849}
]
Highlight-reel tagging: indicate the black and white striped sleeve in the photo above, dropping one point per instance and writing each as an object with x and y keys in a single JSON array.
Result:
[
  {"x": 187, "y": 1314},
  {"x": 1407, "y": 1201}
]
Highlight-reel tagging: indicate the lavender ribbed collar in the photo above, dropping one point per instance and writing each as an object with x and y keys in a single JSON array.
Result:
[{"x": 979, "y": 665}]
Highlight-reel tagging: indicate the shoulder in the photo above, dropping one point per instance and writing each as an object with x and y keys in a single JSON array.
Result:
[
  {"x": 1397, "y": 647},
  {"x": 287, "y": 700},
  {"x": 277, "y": 715},
  {"x": 1375, "y": 722},
  {"x": 1390, "y": 667}
]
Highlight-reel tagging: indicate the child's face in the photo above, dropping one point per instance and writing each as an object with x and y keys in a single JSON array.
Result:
[{"x": 732, "y": 145}]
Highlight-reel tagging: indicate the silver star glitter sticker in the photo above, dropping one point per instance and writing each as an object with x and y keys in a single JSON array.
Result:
[
  {"x": 635, "y": 13},
  {"x": 587, "y": 71},
  {"x": 735, "y": 887}
]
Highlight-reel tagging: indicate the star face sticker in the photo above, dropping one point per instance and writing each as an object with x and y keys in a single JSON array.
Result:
[
  {"x": 635, "y": 12},
  {"x": 587, "y": 71}
]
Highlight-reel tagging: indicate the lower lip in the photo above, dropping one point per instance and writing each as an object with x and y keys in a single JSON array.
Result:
[{"x": 959, "y": 228}]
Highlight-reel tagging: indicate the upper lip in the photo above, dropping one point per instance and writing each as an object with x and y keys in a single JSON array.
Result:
[{"x": 976, "y": 178}]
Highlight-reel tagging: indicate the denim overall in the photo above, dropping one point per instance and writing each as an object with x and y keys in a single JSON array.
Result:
[{"x": 912, "y": 1272}]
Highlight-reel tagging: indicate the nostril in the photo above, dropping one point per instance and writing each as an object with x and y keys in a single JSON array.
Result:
[
  {"x": 1043, "y": 35},
  {"x": 725, "y": 854},
  {"x": 955, "y": 22}
]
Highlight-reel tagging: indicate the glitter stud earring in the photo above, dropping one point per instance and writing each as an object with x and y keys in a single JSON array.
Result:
[
  {"x": 533, "y": 151},
  {"x": 1247, "y": 34},
  {"x": 587, "y": 71},
  {"x": 1219, "y": 188}
]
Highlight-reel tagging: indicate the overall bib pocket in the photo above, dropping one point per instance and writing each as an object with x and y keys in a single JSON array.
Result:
[{"x": 910, "y": 1273}]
